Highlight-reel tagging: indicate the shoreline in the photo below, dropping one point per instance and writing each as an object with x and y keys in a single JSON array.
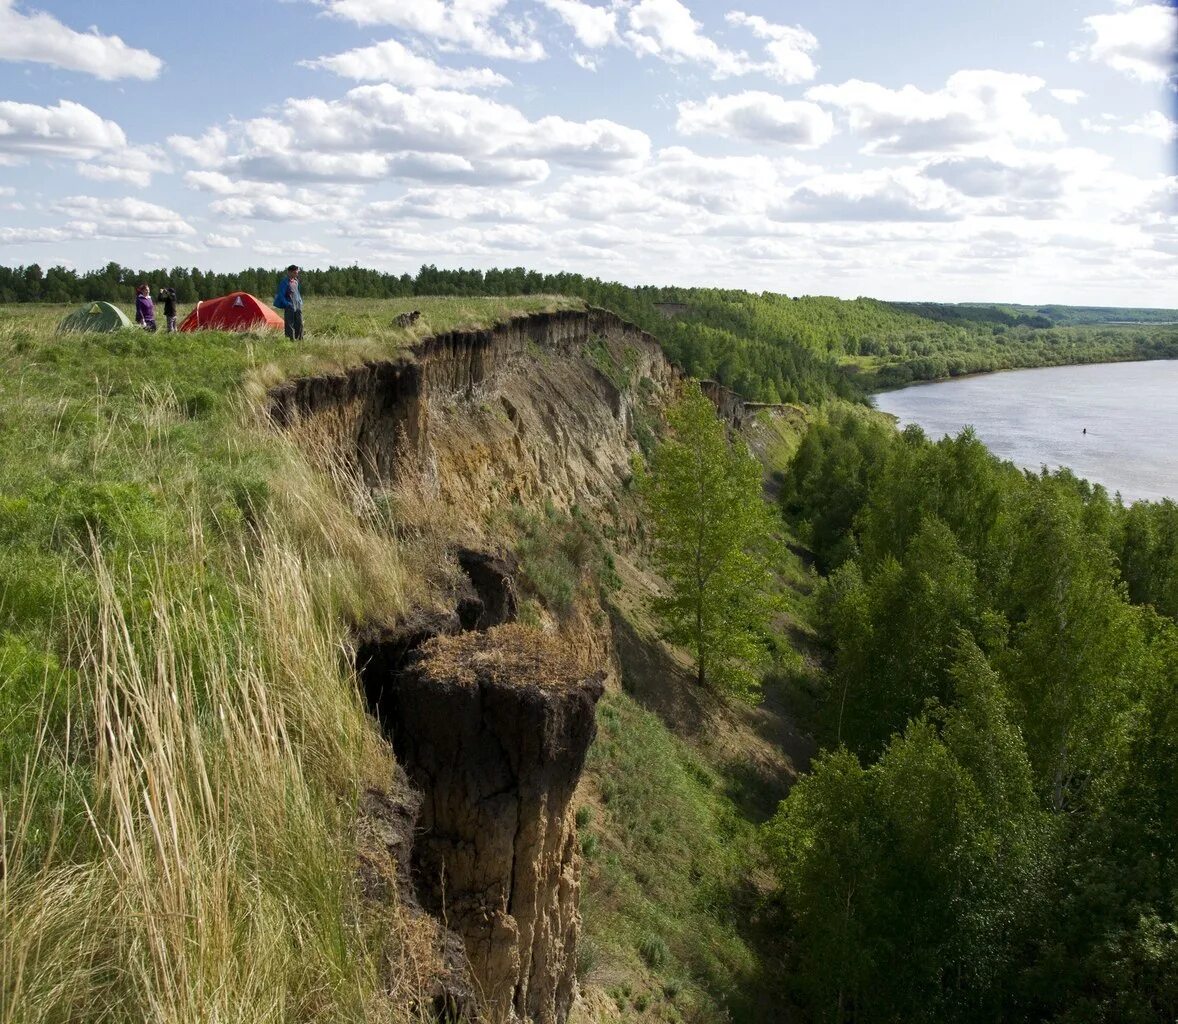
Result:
[
  {"x": 1034, "y": 436},
  {"x": 1018, "y": 369}
]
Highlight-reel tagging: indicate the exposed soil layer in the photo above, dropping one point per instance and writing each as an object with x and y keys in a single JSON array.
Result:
[{"x": 492, "y": 729}]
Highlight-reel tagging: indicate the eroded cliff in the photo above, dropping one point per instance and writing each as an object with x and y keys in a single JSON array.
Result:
[
  {"x": 540, "y": 408},
  {"x": 492, "y": 722}
]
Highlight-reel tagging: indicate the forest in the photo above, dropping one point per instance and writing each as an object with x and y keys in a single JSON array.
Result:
[
  {"x": 768, "y": 346},
  {"x": 991, "y": 830}
]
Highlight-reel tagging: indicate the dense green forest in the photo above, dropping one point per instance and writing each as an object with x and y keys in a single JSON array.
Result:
[
  {"x": 992, "y": 830},
  {"x": 1014, "y": 315},
  {"x": 767, "y": 346}
]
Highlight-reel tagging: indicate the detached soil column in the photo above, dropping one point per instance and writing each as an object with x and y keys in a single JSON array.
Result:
[{"x": 493, "y": 728}]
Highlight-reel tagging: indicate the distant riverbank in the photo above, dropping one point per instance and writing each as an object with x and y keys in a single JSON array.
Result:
[
  {"x": 1113, "y": 424},
  {"x": 1020, "y": 349}
]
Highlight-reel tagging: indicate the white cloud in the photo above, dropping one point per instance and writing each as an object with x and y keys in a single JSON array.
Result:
[
  {"x": 215, "y": 241},
  {"x": 392, "y": 61},
  {"x": 594, "y": 27},
  {"x": 209, "y": 150},
  {"x": 124, "y": 218},
  {"x": 890, "y": 195},
  {"x": 75, "y": 131},
  {"x": 987, "y": 176},
  {"x": 1022, "y": 185},
  {"x": 286, "y": 249},
  {"x": 275, "y": 208},
  {"x": 94, "y": 218},
  {"x": 134, "y": 165},
  {"x": 720, "y": 185},
  {"x": 973, "y": 107},
  {"x": 269, "y": 200},
  {"x": 26, "y": 236},
  {"x": 789, "y": 46},
  {"x": 1069, "y": 96},
  {"x": 68, "y": 129},
  {"x": 665, "y": 28},
  {"x": 1155, "y": 125},
  {"x": 1138, "y": 42},
  {"x": 451, "y": 24},
  {"x": 758, "y": 117},
  {"x": 464, "y": 204},
  {"x": 377, "y": 132},
  {"x": 40, "y": 37}
]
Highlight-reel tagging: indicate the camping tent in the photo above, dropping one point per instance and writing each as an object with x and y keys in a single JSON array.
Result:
[
  {"x": 238, "y": 311},
  {"x": 94, "y": 316}
]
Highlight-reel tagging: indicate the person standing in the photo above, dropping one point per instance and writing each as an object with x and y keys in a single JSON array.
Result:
[
  {"x": 168, "y": 297},
  {"x": 290, "y": 301},
  {"x": 144, "y": 308}
]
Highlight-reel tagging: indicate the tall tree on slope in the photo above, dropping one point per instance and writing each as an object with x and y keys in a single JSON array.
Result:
[{"x": 713, "y": 538}]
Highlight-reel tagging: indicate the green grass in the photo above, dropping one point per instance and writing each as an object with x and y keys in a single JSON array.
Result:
[
  {"x": 561, "y": 556},
  {"x": 669, "y": 856},
  {"x": 181, "y": 744}
]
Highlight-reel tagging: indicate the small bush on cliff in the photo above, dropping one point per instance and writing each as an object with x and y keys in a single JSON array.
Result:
[
  {"x": 713, "y": 543},
  {"x": 559, "y": 554},
  {"x": 653, "y": 949}
]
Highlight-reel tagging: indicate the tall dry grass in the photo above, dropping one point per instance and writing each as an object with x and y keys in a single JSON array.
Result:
[{"x": 217, "y": 758}]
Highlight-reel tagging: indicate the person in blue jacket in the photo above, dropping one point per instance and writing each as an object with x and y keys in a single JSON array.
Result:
[{"x": 290, "y": 301}]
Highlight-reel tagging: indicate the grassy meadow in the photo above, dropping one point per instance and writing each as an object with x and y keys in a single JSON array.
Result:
[{"x": 181, "y": 743}]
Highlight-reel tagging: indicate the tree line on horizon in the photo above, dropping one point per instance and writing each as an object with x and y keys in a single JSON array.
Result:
[{"x": 767, "y": 346}]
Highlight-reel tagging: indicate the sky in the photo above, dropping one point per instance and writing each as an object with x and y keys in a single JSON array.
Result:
[{"x": 1012, "y": 150}]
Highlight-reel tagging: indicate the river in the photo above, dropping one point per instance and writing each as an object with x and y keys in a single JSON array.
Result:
[{"x": 1038, "y": 417}]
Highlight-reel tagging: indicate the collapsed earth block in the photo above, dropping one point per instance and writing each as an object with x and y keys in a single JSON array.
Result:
[{"x": 492, "y": 728}]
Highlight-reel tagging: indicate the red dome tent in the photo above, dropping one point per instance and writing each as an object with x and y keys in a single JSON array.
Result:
[{"x": 237, "y": 311}]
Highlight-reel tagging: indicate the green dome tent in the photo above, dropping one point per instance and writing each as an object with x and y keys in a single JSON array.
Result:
[{"x": 94, "y": 316}]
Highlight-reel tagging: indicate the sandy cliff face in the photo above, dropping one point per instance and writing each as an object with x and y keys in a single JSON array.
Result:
[
  {"x": 493, "y": 729},
  {"x": 541, "y": 408},
  {"x": 492, "y": 722}
]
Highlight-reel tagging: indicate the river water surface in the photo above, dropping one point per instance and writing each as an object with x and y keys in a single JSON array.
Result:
[{"x": 1037, "y": 418}]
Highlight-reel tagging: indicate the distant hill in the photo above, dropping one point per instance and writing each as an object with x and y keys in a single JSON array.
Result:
[{"x": 1015, "y": 315}]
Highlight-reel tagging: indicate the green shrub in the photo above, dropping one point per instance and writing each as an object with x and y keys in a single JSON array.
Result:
[
  {"x": 588, "y": 956},
  {"x": 653, "y": 949},
  {"x": 559, "y": 554},
  {"x": 197, "y": 402}
]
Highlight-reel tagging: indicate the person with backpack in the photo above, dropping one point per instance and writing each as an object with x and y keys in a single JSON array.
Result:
[{"x": 290, "y": 301}]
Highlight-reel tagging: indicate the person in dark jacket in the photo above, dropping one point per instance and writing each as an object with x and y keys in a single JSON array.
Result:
[
  {"x": 290, "y": 301},
  {"x": 144, "y": 308},
  {"x": 168, "y": 297}
]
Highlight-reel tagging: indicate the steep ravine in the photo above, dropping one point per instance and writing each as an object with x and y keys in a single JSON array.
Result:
[{"x": 492, "y": 721}]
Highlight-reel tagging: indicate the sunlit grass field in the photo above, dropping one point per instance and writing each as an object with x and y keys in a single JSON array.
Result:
[{"x": 181, "y": 743}]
